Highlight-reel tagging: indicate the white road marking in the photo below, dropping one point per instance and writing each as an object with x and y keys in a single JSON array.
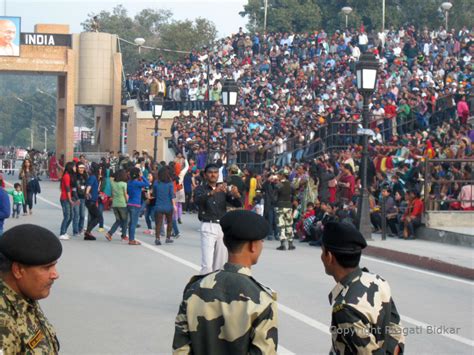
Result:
[
  {"x": 446, "y": 277},
  {"x": 454, "y": 337},
  {"x": 281, "y": 351},
  {"x": 171, "y": 256},
  {"x": 305, "y": 319},
  {"x": 300, "y": 316}
]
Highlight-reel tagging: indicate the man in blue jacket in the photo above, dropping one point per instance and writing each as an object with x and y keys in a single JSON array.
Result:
[{"x": 4, "y": 208}]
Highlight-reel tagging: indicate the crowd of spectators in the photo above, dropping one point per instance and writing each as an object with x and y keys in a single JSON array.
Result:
[
  {"x": 299, "y": 110},
  {"x": 297, "y": 91}
]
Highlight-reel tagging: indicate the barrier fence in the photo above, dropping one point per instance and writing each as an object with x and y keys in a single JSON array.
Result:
[
  {"x": 335, "y": 135},
  {"x": 448, "y": 185}
]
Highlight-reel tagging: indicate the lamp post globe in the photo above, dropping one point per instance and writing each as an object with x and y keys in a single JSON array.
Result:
[
  {"x": 366, "y": 74},
  {"x": 446, "y": 6},
  {"x": 139, "y": 42},
  {"x": 346, "y": 11}
]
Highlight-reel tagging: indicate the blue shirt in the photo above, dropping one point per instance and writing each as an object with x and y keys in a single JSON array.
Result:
[
  {"x": 134, "y": 189},
  {"x": 164, "y": 195},
  {"x": 188, "y": 183},
  {"x": 94, "y": 184},
  {"x": 4, "y": 207}
]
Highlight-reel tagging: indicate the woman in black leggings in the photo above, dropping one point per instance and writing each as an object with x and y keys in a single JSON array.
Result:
[
  {"x": 27, "y": 177},
  {"x": 92, "y": 196}
]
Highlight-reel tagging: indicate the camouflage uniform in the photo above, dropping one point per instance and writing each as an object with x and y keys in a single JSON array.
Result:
[
  {"x": 285, "y": 223},
  {"x": 364, "y": 317},
  {"x": 23, "y": 327},
  {"x": 226, "y": 312}
]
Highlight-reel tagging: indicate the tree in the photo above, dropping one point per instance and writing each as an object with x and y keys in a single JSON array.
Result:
[
  {"x": 157, "y": 28},
  {"x": 283, "y": 15},
  {"x": 187, "y": 35},
  {"x": 302, "y": 16},
  {"x": 16, "y": 116}
]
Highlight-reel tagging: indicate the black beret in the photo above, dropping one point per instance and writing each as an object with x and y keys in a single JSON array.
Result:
[
  {"x": 30, "y": 244},
  {"x": 211, "y": 166},
  {"x": 343, "y": 238},
  {"x": 244, "y": 225}
]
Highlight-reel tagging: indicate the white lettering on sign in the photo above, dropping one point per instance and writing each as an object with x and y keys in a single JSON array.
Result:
[{"x": 39, "y": 39}]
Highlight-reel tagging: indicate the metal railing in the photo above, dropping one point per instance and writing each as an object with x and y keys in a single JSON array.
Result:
[{"x": 442, "y": 190}]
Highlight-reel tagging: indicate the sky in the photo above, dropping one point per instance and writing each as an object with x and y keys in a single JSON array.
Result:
[{"x": 223, "y": 13}]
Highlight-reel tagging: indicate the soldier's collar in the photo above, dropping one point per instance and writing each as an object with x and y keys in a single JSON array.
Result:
[
  {"x": 341, "y": 285},
  {"x": 238, "y": 269},
  {"x": 19, "y": 303}
]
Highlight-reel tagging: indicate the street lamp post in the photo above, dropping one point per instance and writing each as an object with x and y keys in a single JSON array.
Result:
[
  {"x": 45, "y": 139},
  {"x": 446, "y": 6},
  {"x": 230, "y": 93},
  {"x": 383, "y": 16},
  {"x": 32, "y": 121},
  {"x": 366, "y": 73},
  {"x": 157, "y": 110},
  {"x": 207, "y": 103},
  {"x": 265, "y": 12},
  {"x": 346, "y": 10}
]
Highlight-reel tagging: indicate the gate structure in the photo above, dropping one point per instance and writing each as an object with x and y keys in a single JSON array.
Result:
[{"x": 89, "y": 70}]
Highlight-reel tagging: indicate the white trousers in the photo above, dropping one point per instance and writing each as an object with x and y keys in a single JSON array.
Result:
[{"x": 213, "y": 250}]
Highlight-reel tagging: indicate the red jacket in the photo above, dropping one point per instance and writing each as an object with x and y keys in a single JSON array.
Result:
[
  {"x": 415, "y": 208},
  {"x": 390, "y": 111}
]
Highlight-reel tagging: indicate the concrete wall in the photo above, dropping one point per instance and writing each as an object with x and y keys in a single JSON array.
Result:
[
  {"x": 95, "y": 68},
  {"x": 140, "y": 128},
  {"x": 440, "y": 219}
]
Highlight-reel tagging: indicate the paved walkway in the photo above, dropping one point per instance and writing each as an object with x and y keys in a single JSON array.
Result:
[
  {"x": 451, "y": 254},
  {"x": 112, "y": 298}
]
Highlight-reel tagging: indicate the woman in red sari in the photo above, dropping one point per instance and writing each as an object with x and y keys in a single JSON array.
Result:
[
  {"x": 346, "y": 183},
  {"x": 53, "y": 168}
]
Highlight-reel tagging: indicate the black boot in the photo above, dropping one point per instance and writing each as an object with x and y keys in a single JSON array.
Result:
[
  {"x": 291, "y": 246},
  {"x": 282, "y": 246}
]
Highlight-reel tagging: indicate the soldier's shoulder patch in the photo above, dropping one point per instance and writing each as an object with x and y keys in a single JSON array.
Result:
[
  {"x": 337, "y": 307},
  {"x": 33, "y": 342}
]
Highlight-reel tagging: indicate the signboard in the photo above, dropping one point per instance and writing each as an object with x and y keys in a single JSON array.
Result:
[
  {"x": 46, "y": 39},
  {"x": 10, "y": 28}
]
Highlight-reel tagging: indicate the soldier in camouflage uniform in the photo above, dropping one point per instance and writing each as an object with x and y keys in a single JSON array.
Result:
[
  {"x": 364, "y": 317},
  {"x": 28, "y": 257},
  {"x": 284, "y": 212},
  {"x": 228, "y": 311}
]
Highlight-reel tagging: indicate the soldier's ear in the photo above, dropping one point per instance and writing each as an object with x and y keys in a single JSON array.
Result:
[{"x": 18, "y": 270}]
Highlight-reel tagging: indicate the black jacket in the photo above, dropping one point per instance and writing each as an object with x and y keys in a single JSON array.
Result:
[{"x": 212, "y": 208}]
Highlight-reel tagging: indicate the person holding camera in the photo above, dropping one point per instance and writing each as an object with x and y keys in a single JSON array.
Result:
[{"x": 211, "y": 199}]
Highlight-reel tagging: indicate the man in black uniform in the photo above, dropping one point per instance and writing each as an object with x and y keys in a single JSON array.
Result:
[
  {"x": 364, "y": 317},
  {"x": 211, "y": 199}
]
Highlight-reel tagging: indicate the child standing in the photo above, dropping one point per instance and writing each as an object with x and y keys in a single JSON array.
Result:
[{"x": 18, "y": 199}]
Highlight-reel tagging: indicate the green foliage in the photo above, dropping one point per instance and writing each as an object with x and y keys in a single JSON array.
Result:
[
  {"x": 187, "y": 35},
  {"x": 302, "y": 16},
  {"x": 283, "y": 15},
  {"x": 16, "y": 116},
  {"x": 157, "y": 28}
]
